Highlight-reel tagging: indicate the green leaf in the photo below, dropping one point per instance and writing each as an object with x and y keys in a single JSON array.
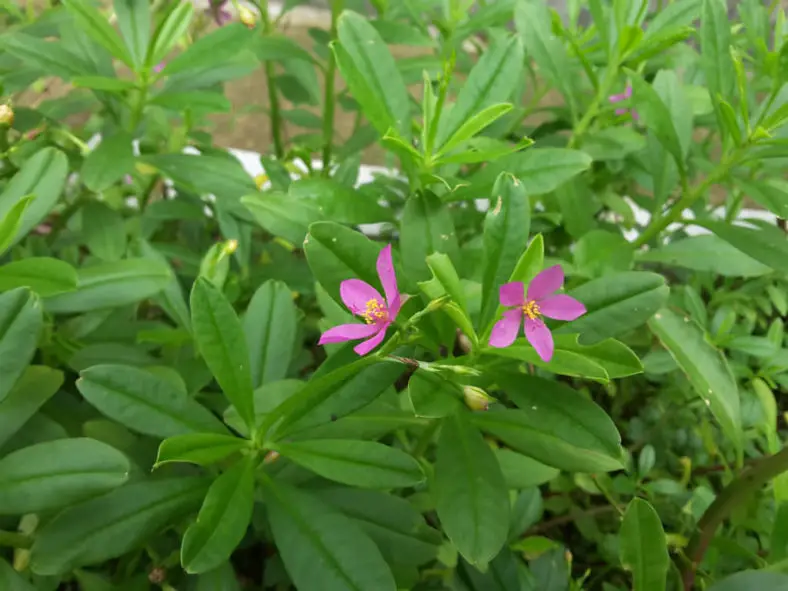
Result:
[
  {"x": 469, "y": 492},
  {"x": 618, "y": 360},
  {"x": 172, "y": 28},
  {"x": 205, "y": 102},
  {"x": 762, "y": 580},
  {"x": 42, "y": 275},
  {"x": 104, "y": 83},
  {"x": 705, "y": 368},
  {"x": 322, "y": 550},
  {"x": 371, "y": 74},
  {"x": 11, "y": 580},
  {"x": 222, "y": 578},
  {"x": 43, "y": 176},
  {"x": 656, "y": 117},
  {"x": 336, "y": 253},
  {"x": 474, "y": 125},
  {"x": 93, "y": 23},
  {"x": 134, "y": 24},
  {"x": 212, "y": 48},
  {"x": 58, "y": 473},
  {"x": 104, "y": 231},
  {"x": 30, "y": 392},
  {"x": 492, "y": 80},
  {"x": 426, "y": 227},
  {"x": 766, "y": 247},
  {"x": 705, "y": 253},
  {"x": 111, "y": 285},
  {"x": 171, "y": 299},
  {"x": 270, "y": 326},
  {"x": 616, "y": 304},
  {"x": 521, "y": 472},
  {"x": 11, "y": 221},
  {"x": 540, "y": 170},
  {"x": 273, "y": 47},
  {"x": 600, "y": 252},
  {"x": 506, "y": 229},
  {"x": 266, "y": 399},
  {"x": 222, "y": 520},
  {"x": 366, "y": 464},
  {"x": 534, "y": 24},
  {"x": 554, "y": 425},
  {"x": 771, "y": 194},
  {"x": 715, "y": 42},
  {"x": 338, "y": 202},
  {"x": 643, "y": 547},
  {"x": 108, "y": 162},
  {"x": 21, "y": 321},
  {"x": 145, "y": 402},
  {"x": 204, "y": 174},
  {"x": 113, "y": 524},
  {"x": 433, "y": 396},
  {"x": 202, "y": 449},
  {"x": 220, "y": 340},
  {"x": 281, "y": 215},
  {"x": 393, "y": 523},
  {"x": 49, "y": 57},
  {"x": 445, "y": 281},
  {"x": 343, "y": 384},
  {"x": 564, "y": 362}
]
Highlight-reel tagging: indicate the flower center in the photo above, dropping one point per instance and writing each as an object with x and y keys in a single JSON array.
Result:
[
  {"x": 375, "y": 312},
  {"x": 531, "y": 310}
]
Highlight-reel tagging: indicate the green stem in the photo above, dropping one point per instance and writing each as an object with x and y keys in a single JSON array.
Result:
[
  {"x": 15, "y": 540},
  {"x": 593, "y": 109},
  {"x": 328, "y": 103},
  {"x": 448, "y": 69},
  {"x": 660, "y": 222},
  {"x": 139, "y": 105},
  {"x": 270, "y": 80},
  {"x": 426, "y": 437},
  {"x": 732, "y": 496}
]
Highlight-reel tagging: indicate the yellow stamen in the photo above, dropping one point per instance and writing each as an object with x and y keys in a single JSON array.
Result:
[
  {"x": 375, "y": 311},
  {"x": 531, "y": 310}
]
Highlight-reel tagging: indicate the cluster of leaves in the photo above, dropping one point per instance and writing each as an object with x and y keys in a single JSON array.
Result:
[{"x": 167, "y": 418}]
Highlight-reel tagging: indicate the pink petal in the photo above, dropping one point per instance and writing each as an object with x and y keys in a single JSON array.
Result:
[
  {"x": 367, "y": 346},
  {"x": 561, "y": 307},
  {"x": 505, "y": 330},
  {"x": 622, "y": 111},
  {"x": 356, "y": 293},
  {"x": 546, "y": 282},
  {"x": 540, "y": 338},
  {"x": 617, "y": 98},
  {"x": 634, "y": 114},
  {"x": 512, "y": 294},
  {"x": 628, "y": 91},
  {"x": 347, "y": 332},
  {"x": 388, "y": 279}
]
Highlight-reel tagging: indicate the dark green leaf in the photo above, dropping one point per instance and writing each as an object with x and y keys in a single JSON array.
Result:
[
  {"x": 35, "y": 386},
  {"x": 104, "y": 231},
  {"x": 427, "y": 227},
  {"x": 42, "y": 275},
  {"x": 768, "y": 248},
  {"x": 92, "y": 22},
  {"x": 213, "y": 48},
  {"x": 21, "y": 321},
  {"x": 134, "y": 24},
  {"x": 199, "y": 448},
  {"x": 643, "y": 547},
  {"x": 281, "y": 215}
]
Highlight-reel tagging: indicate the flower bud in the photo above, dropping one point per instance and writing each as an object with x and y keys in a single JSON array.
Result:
[
  {"x": 247, "y": 17},
  {"x": 260, "y": 180},
  {"x": 6, "y": 115},
  {"x": 476, "y": 398},
  {"x": 271, "y": 457}
]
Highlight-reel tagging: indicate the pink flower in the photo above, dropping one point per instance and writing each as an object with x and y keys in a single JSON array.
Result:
[
  {"x": 617, "y": 98},
  {"x": 217, "y": 11},
  {"x": 159, "y": 67},
  {"x": 541, "y": 301},
  {"x": 364, "y": 300}
]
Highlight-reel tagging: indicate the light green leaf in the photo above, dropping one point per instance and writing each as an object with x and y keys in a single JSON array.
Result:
[
  {"x": 469, "y": 491},
  {"x": 108, "y": 162},
  {"x": 371, "y": 74},
  {"x": 643, "y": 547},
  {"x": 474, "y": 125},
  {"x": 707, "y": 253},
  {"x": 171, "y": 29},
  {"x": 281, "y": 215},
  {"x": 367, "y": 464},
  {"x": 21, "y": 321},
  {"x": 43, "y": 176},
  {"x": 145, "y": 402},
  {"x": 222, "y": 520},
  {"x": 213, "y": 48},
  {"x": 45, "y": 276},
  {"x": 92, "y": 22},
  {"x": 58, "y": 473},
  {"x": 103, "y": 231},
  {"x": 762, "y": 580},
  {"x": 433, "y": 396},
  {"x": 113, "y": 524},
  {"x": 521, "y": 472},
  {"x": 656, "y": 117},
  {"x": 11, "y": 221},
  {"x": 270, "y": 326},
  {"x": 134, "y": 24},
  {"x": 492, "y": 80},
  {"x": 111, "y": 285},
  {"x": 705, "y": 368},
  {"x": 322, "y": 550},
  {"x": 11, "y": 580},
  {"x": 202, "y": 449},
  {"x": 220, "y": 340},
  {"x": 715, "y": 42},
  {"x": 205, "y": 174},
  {"x": 769, "y": 248}
]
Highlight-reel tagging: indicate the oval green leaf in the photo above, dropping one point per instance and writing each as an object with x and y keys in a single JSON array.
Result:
[{"x": 643, "y": 547}]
